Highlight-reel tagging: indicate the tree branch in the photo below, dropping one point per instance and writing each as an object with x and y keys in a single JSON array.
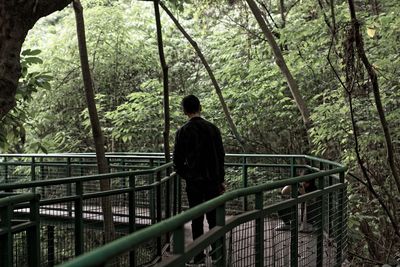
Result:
[
  {"x": 231, "y": 124},
  {"x": 375, "y": 87},
  {"x": 164, "y": 67}
]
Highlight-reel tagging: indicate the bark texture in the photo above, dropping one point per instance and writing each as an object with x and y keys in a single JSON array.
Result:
[
  {"x": 102, "y": 164},
  {"x": 16, "y": 19},
  {"x": 164, "y": 67},
  {"x": 280, "y": 61}
]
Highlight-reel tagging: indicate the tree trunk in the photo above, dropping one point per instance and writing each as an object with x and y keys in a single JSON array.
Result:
[
  {"x": 98, "y": 137},
  {"x": 375, "y": 87},
  {"x": 16, "y": 19},
  {"x": 282, "y": 11},
  {"x": 164, "y": 67},
  {"x": 280, "y": 61},
  {"x": 227, "y": 113}
]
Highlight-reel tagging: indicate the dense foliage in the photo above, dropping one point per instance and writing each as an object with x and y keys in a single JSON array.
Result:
[{"x": 51, "y": 115}]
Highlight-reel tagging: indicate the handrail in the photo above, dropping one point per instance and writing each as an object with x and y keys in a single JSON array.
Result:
[
  {"x": 103, "y": 254},
  {"x": 17, "y": 198},
  {"x": 83, "y": 178},
  {"x": 79, "y": 155},
  {"x": 145, "y": 155}
]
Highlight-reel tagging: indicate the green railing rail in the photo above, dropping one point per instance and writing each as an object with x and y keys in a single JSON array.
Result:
[
  {"x": 331, "y": 181},
  {"x": 32, "y": 167},
  {"x": 71, "y": 207},
  {"x": 23, "y": 231}
]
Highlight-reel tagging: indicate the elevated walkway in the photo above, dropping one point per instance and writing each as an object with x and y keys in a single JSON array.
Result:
[{"x": 146, "y": 204}]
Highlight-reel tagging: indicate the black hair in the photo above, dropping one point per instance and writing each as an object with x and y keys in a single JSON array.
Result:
[{"x": 191, "y": 104}]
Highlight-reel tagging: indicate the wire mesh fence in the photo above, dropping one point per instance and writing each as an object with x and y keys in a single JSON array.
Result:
[
  {"x": 72, "y": 212},
  {"x": 19, "y": 237},
  {"x": 302, "y": 229}
]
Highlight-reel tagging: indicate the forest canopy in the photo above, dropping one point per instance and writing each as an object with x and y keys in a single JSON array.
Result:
[{"x": 317, "y": 41}]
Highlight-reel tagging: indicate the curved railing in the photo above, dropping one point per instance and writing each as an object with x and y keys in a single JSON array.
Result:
[
  {"x": 328, "y": 235},
  {"x": 71, "y": 208},
  {"x": 146, "y": 195}
]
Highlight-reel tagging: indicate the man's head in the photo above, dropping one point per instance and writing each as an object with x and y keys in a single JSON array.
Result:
[{"x": 191, "y": 105}]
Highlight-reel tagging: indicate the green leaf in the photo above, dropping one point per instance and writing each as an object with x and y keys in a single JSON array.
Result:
[{"x": 33, "y": 60}]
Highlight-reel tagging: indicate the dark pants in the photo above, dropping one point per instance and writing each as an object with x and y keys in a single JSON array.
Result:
[{"x": 198, "y": 192}]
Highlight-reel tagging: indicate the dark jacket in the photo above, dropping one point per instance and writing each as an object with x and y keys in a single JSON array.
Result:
[{"x": 199, "y": 152}]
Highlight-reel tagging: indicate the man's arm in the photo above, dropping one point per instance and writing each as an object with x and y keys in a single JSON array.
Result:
[
  {"x": 221, "y": 156},
  {"x": 178, "y": 158}
]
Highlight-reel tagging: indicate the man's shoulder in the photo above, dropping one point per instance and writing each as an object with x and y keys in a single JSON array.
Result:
[
  {"x": 185, "y": 126},
  {"x": 195, "y": 124},
  {"x": 206, "y": 122}
]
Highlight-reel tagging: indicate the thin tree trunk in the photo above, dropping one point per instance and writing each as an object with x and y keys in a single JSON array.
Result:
[
  {"x": 333, "y": 16},
  {"x": 227, "y": 113},
  {"x": 98, "y": 137},
  {"x": 350, "y": 83},
  {"x": 280, "y": 61},
  {"x": 375, "y": 87},
  {"x": 282, "y": 11},
  {"x": 374, "y": 7},
  {"x": 164, "y": 67}
]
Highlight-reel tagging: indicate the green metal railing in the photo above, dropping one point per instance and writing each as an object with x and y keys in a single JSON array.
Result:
[
  {"x": 71, "y": 209},
  {"x": 151, "y": 198},
  {"x": 330, "y": 187},
  {"x": 14, "y": 231},
  {"x": 32, "y": 167}
]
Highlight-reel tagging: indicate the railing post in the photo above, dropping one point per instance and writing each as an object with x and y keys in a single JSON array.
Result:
[
  {"x": 79, "y": 219},
  {"x": 294, "y": 226},
  {"x": 168, "y": 201},
  {"x": 220, "y": 244},
  {"x": 158, "y": 211},
  {"x": 168, "y": 196},
  {"x": 5, "y": 170},
  {"x": 245, "y": 181},
  {"x": 109, "y": 163},
  {"x": 69, "y": 186},
  {"x": 42, "y": 177},
  {"x": 50, "y": 245},
  {"x": 292, "y": 167},
  {"x": 341, "y": 223},
  {"x": 152, "y": 196},
  {"x": 259, "y": 236},
  {"x": 330, "y": 206},
  {"x": 33, "y": 173},
  {"x": 175, "y": 195},
  {"x": 320, "y": 230},
  {"x": 132, "y": 216},
  {"x": 68, "y": 169},
  {"x": 6, "y": 239},
  {"x": 33, "y": 234},
  {"x": 81, "y": 162},
  {"x": 123, "y": 169},
  {"x": 178, "y": 239}
]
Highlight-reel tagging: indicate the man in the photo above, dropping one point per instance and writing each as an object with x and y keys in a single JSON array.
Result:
[{"x": 199, "y": 159}]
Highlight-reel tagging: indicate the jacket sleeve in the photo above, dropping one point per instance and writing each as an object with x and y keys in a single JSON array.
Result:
[
  {"x": 178, "y": 154},
  {"x": 221, "y": 156}
]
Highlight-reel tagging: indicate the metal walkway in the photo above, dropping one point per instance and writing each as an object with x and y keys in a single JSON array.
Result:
[{"x": 146, "y": 202}]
